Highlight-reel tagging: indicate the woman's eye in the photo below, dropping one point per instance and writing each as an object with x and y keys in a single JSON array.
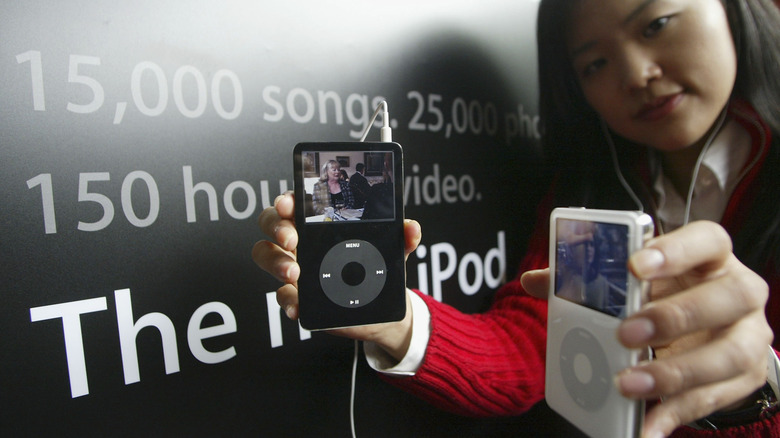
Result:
[
  {"x": 593, "y": 67},
  {"x": 655, "y": 26}
]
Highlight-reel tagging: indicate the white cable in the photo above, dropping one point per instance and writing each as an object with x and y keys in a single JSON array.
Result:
[
  {"x": 385, "y": 133},
  {"x": 616, "y": 165},
  {"x": 699, "y": 160},
  {"x": 352, "y": 391},
  {"x": 689, "y": 198}
]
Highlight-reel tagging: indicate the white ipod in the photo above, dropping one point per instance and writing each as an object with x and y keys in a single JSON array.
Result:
[
  {"x": 351, "y": 233},
  {"x": 591, "y": 291}
]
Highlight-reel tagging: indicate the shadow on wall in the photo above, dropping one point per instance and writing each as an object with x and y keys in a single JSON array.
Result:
[
  {"x": 507, "y": 167},
  {"x": 510, "y": 176}
]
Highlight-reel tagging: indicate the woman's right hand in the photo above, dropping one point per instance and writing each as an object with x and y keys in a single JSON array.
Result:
[{"x": 278, "y": 258}]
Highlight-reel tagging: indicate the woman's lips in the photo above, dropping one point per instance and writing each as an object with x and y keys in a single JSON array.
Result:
[{"x": 659, "y": 108}]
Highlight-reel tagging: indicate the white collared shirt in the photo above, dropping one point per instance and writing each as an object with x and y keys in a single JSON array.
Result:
[{"x": 720, "y": 171}]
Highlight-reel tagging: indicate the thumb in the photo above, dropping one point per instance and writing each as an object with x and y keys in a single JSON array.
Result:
[{"x": 536, "y": 282}]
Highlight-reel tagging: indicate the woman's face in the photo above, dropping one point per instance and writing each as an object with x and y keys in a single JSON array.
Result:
[
  {"x": 334, "y": 172},
  {"x": 659, "y": 72}
]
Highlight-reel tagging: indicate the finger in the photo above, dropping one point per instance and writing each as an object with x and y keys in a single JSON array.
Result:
[
  {"x": 700, "y": 246},
  {"x": 685, "y": 408},
  {"x": 575, "y": 239},
  {"x": 412, "y": 236},
  {"x": 738, "y": 351},
  {"x": 287, "y": 297},
  {"x": 536, "y": 282},
  {"x": 283, "y": 208},
  {"x": 285, "y": 205},
  {"x": 281, "y": 230},
  {"x": 711, "y": 305},
  {"x": 393, "y": 337},
  {"x": 276, "y": 261}
]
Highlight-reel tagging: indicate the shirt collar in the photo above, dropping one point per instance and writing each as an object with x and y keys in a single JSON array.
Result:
[
  {"x": 728, "y": 154},
  {"x": 723, "y": 162}
]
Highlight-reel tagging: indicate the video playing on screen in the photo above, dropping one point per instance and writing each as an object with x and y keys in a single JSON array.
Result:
[
  {"x": 348, "y": 186},
  {"x": 591, "y": 266}
]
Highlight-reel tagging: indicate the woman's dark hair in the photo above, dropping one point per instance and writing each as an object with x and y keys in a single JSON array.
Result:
[{"x": 576, "y": 147}]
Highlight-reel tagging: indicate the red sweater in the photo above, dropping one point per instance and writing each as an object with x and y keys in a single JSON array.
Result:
[{"x": 492, "y": 364}]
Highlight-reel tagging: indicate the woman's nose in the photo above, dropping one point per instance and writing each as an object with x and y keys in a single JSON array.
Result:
[{"x": 639, "y": 68}]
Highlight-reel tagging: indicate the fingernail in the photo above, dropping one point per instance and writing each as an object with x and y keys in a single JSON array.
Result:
[
  {"x": 286, "y": 238},
  {"x": 286, "y": 242},
  {"x": 294, "y": 272},
  {"x": 290, "y": 311},
  {"x": 647, "y": 261},
  {"x": 290, "y": 272},
  {"x": 636, "y": 331},
  {"x": 636, "y": 383}
]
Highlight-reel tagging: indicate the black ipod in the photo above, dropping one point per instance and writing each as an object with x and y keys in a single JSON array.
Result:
[{"x": 349, "y": 213}]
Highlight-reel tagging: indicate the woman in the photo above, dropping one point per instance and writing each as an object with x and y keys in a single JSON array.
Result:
[
  {"x": 677, "y": 89},
  {"x": 331, "y": 190}
]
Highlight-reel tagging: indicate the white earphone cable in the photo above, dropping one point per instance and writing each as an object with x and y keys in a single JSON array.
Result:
[
  {"x": 616, "y": 165},
  {"x": 386, "y": 135},
  {"x": 689, "y": 198},
  {"x": 352, "y": 391},
  {"x": 699, "y": 160}
]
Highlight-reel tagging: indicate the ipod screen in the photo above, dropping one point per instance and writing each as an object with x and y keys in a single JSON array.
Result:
[
  {"x": 591, "y": 266},
  {"x": 348, "y": 186}
]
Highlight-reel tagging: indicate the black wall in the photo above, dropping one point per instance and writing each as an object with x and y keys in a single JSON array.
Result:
[{"x": 140, "y": 140}]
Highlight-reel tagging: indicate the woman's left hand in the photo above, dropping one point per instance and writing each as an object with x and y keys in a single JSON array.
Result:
[{"x": 705, "y": 321}]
